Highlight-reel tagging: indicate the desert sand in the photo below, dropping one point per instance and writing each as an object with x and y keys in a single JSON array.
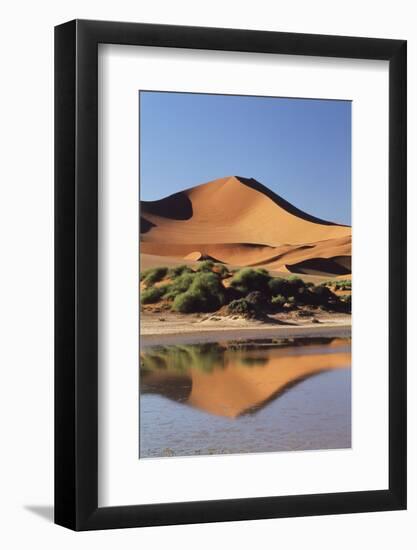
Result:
[
  {"x": 240, "y": 222},
  {"x": 170, "y": 328}
]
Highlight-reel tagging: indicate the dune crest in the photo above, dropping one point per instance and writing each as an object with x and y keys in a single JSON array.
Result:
[{"x": 241, "y": 222}]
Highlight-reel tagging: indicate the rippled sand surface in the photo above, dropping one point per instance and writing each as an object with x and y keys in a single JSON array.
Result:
[{"x": 243, "y": 397}]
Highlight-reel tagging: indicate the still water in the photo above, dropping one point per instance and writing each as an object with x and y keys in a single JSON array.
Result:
[{"x": 245, "y": 397}]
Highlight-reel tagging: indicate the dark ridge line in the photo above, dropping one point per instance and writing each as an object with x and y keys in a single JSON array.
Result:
[
  {"x": 145, "y": 225},
  {"x": 321, "y": 265},
  {"x": 279, "y": 393},
  {"x": 254, "y": 184}
]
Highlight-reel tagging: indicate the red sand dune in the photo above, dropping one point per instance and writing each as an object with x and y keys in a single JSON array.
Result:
[{"x": 239, "y": 221}]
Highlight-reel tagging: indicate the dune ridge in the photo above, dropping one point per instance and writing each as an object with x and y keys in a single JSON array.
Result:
[{"x": 239, "y": 221}]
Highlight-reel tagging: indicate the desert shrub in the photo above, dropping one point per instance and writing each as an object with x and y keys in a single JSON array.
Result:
[
  {"x": 209, "y": 287},
  {"x": 206, "y": 265},
  {"x": 343, "y": 285},
  {"x": 257, "y": 298},
  {"x": 339, "y": 284},
  {"x": 296, "y": 284},
  {"x": 152, "y": 276},
  {"x": 179, "y": 285},
  {"x": 293, "y": 286},
  {"x": 178, "y": 270},
  {"x": 278, "y": 300},
  {"x": 291, "y": 301},
  {"x": 321, "y": 295},
  {"x": 346, "y": 301},
  {"x": 247, "y": 280},
  {"x": 152, "y": 295},
  {"x": 187, "y": 302},
  {"x": 278, "y": 285},
  {"x": 205, "y": 293},
  {"x": 241, "y": 307}
]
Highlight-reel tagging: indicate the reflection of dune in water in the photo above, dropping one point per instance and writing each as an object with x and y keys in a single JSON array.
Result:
[{"x": 232, "y": 382}]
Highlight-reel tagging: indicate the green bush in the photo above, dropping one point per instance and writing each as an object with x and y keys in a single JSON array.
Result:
[
  {"x": 247, "y": 280},
  {"x": 296, "y": 284},
  {"x": 205, "y": 293},
  {"x": 206, "y": 265},
  {"x": 241, "y": 307},
  {"x": 257, "y": 298},
  {"x": 187, "y": 302},
  {"x": 278, "y": 300},
  {"x": 152, "y": 295},
  {"x": 321, "y": 295},
  {"x": 152, "y": 276},
  {"x": 278, "y": 285},
  {"x": 178, "y": 270},
  {"x": 343, "y": 285},
  {"x": 179, "y": 285},
  {"x": 339, "y": 284},
  {"x": 293, "y": 286}
]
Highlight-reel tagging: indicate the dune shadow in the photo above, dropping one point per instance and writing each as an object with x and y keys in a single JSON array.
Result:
[
  {"x": 322, "y": 266},
  {"x": 254, "y": 184},
  {"x": 176, "y": 207}
]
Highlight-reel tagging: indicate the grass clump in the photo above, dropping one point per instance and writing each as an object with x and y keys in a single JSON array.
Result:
[
  {"x": 241, "y": 307},
  {"x": 205, "y": 266},
  {"x": 278, "y": 286},
  {"x": 153, "y": 275},
  {"x": 205, "y": 293},
  {"x": 258, "y": 299},
  {"x": 187, "y": 302},
  {"x": 152, "y": 295},
  {"x": 178, "y": 270},
  {"x": 179, "y": 285},
  {"x": 247, "y": 280},
  {"x": 293, "y": 286},
  {"x": 339, "y": 284},
  {"x": 278, "y": 300}
]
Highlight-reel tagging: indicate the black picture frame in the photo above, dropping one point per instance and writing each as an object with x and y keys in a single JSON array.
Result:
[{"x": 76, "y": 272}]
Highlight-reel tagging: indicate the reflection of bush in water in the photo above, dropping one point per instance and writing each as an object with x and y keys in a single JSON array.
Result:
[
  {"x": 152, "y": 362},
  {"x": 253, "y": 361},
  {"x": 208, "y": 357},
  {"x": 205, "y": 357}
]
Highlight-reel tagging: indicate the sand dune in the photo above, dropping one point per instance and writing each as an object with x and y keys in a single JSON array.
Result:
[{"x": 239, "y": 221}]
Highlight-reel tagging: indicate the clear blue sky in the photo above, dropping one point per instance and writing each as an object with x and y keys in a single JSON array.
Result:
[{"x": 299, "y": 148}]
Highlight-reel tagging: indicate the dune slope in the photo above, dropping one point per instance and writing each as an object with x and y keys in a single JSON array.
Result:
[{"x": 239, "y": 221}]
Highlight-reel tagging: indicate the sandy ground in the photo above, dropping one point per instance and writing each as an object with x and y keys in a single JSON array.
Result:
[{"x": 168, "y": 328}]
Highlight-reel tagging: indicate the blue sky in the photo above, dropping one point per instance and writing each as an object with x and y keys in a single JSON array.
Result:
[{"x": 299, "y": 148}]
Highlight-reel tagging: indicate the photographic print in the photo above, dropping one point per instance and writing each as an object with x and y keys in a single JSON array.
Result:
[{"x": 245, "y": 274}]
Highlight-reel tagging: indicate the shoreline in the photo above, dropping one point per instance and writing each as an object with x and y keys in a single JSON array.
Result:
[{"x": 195, "y": 333}]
